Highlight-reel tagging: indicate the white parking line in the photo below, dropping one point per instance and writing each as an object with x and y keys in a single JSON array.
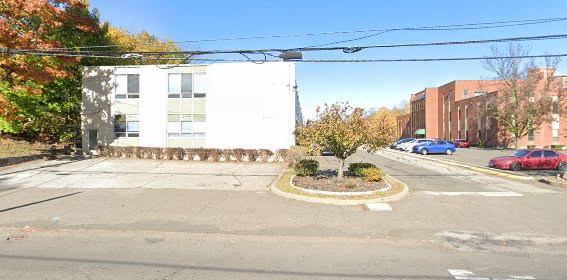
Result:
[
  {"x": 468, "y": 275},
  {"x": 488, "y": 194}
]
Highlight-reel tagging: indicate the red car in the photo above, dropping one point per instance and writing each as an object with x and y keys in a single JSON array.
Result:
[
  {"x": 461, "y": 143},
  {"x": 530, "y": 159}
]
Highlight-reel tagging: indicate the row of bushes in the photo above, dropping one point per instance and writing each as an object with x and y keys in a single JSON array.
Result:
[
  {"x": 202, "y": 154},
  {"x": 368, "y": 171}
]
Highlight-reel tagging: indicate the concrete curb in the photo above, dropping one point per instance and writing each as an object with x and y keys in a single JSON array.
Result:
[
  {"x": 468, "y": 166},
  {"x": 343, "y": 202}
]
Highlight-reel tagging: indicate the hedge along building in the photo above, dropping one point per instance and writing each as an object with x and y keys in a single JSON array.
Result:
[{"x": 231, "y": 105}]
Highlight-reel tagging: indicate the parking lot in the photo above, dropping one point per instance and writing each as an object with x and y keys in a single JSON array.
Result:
[
  {"x": 136, "y": 173},
  {"x": 480, "y": 157}
]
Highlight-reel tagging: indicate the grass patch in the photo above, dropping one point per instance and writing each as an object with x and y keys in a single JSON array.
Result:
[
  {"x": 16, "y": 148},
  {"x": 283, "y": 185}
]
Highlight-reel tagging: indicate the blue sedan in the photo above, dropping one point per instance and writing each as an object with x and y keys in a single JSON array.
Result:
[{"x": 435, "y": 147}]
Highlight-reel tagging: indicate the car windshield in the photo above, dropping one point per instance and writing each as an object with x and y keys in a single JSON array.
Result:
[{"x": 520, "y": 153}]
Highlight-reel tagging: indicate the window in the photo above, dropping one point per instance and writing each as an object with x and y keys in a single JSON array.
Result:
[
  {"x": 126, "y": 126},
  {"x": 199, "y": 85},
  {"x": 536, "y": 154},
  {"x": 179, "y": 125},
  {"x": 127, "y": 86},
  {"x": 465, "y": 94},
  {"x": 549, "y": 154},
  {"x": 531, "y": 136},
  {"x": 479, "y": 93},
  {"x": 180, "y": 85},
  {"x": 187, "y": 85}
]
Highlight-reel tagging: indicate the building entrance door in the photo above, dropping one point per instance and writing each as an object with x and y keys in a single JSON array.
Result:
[{"x": 93, "y": 139}]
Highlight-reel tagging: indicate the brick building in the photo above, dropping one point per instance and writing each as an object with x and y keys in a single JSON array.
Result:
[{"x": 451, "y": 112}]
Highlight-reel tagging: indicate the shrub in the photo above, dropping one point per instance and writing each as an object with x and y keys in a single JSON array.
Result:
[
  {"x": 372, "y": 174},
  {"x": 306, "y": 167},
  {"x": 281, "y": 155},
  {"x": 531, "y": 146},
  {"x": 265, "y": 155},
  {"x": 558, "y": 147},
  {"x": 238, "y": 154},
  {"x": 215, "y": 154},
  {"x": 252, "y": 155},
  {"x": 191, "y": 153},
  {"x": 357, "y": 168},
  {"x": 296, "y": 154}
]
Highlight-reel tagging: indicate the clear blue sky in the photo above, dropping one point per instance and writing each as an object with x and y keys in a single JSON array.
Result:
[{"x": 365, "y": 85}]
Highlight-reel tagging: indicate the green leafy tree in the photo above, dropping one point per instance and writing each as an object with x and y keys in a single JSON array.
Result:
[{"x": 342, "y": 130}]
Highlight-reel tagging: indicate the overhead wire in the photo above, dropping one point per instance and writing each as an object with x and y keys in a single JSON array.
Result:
[
  {"x": 465, "y": 26},
  {"x": 346, "y": 49}
]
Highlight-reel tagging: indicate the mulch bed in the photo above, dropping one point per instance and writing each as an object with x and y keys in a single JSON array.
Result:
[{"x": 329, "y": 182}]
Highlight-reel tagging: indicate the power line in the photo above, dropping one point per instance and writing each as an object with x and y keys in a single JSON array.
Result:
[
  {"x": 450, "y": 27},
  {"x": 345, "y": 49},
  {"x": 327, "y": 60}
]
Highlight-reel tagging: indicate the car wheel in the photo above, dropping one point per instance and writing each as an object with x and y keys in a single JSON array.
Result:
[
  {"x": 562, "y": 166},
  {"x": 424, "y": 151},
  {"x": 449, "y": 152},
  {"x": 515, "y": 166}
]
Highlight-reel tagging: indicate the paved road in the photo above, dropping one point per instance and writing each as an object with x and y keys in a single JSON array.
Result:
[{"x": 69, "y": 233}]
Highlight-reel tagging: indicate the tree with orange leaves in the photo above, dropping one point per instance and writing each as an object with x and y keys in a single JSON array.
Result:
[{"x": 342, "y": 130}]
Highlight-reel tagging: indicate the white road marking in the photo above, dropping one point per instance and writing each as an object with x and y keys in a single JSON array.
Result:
[
  {"x": 464, "y": 275},
  {"x": 468, "y": 275},
  {"x": 488, "y": 194},
  {"x": 378, "y": 207}
]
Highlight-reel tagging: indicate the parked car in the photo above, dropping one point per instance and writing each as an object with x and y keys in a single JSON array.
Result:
[
  {"x": 461, "y": 143},
  {"x": 435, "y": 147},
  {"x": 531, "y": 159},
  {"x": 399, "y": 142},
  {"x": 408, "y": 147}
]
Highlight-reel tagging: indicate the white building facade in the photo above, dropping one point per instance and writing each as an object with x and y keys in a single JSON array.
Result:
[{"x": 233, "y": 105}]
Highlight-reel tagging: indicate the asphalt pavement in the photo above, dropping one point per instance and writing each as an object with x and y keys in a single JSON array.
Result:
[{"x": 454, "y": 223}]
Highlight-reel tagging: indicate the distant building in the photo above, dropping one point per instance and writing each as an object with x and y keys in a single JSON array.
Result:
[
  {"x": 451, "y": 112},
  {"x": 233, "y": 105}
]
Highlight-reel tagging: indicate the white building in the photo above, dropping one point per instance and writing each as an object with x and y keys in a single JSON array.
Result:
[{"x": 235, "y": 105}]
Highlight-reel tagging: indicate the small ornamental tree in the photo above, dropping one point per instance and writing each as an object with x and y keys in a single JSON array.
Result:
[{"x": 341, "y": 129}]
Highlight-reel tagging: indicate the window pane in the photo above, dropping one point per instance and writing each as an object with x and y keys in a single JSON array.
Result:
[
  {"x": 536, "y": 154},
  {"x": 120, "y": 126},
  {"x": 121, "y": 84},
  {"x": 173, "y": 127},
  {"x": 187, "y": 83},
  {"x": 186, "y": 95},
  {"x": 173, "y": 135},
  {"x": 200, "y": 95},
  {"x": 200, "y": 84},
  {"x": 120, "y": 96},
  {"x": 549, "y": 154},
  {"x": 186, "y": 126},
  {"x": 122, "y": 134},
  {"x": 174, "y": 82},
  {"x": 133, "y": 126},
  {"x": 186, "y": 135},
  {"x": 135, "y": 134},
  {"x": 173, "y": 95},
  {"x": 199, "y": 135},
  {"x": 133, "y": 95},
  {"x": 133, "y": 83}
]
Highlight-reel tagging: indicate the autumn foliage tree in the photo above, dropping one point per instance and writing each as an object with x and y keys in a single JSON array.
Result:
[
  {"x": 40, "y": 96},
  {"x": 341, "y": 129}
]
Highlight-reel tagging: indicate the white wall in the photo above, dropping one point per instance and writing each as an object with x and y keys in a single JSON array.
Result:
[
  {"x": 251, "y": 105},
  {"x": 247, "y": 105}
]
